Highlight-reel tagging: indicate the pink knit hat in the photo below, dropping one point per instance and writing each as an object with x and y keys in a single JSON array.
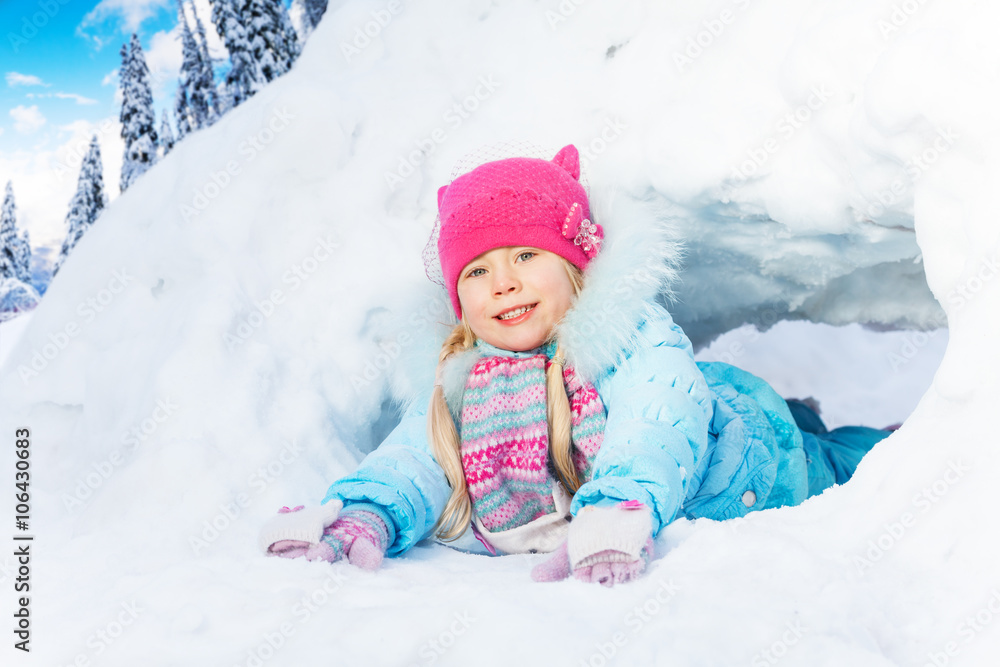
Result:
[{"x": 518, "y": 201}]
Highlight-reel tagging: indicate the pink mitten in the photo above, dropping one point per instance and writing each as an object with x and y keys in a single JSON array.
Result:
[
  {"x": 607, "y": 545},
  {"x": 611, "y": 567},
  {"x": 361, "y": 533},
  {"x": 555, "y": 568}
]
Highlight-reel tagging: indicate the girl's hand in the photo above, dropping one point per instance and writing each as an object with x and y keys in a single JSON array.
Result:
[
  {"x": 298, "y": 524},
  {"x": 607, "y": 545},
  {"x": 357, "y": 534},
  {"x": 610, "y": 567}
]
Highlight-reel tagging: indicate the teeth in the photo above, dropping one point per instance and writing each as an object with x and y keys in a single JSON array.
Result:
[{"x": 515, "y": 313}]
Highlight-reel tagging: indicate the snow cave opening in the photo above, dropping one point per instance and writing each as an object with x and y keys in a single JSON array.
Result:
[{"x": 842, "y": 315}]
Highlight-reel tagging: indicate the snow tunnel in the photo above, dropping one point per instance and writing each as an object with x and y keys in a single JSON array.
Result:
[{"x": 229, "y": 338}]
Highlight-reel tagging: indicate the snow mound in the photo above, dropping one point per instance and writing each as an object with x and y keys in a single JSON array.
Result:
[
  {"x": 229, "y": 338},
  {"x": 16, "y": 298}
]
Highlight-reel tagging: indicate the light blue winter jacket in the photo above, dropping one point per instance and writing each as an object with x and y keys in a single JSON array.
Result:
[
  {"x": 698, "y": 440},
  {"x": 687, "y": 439}
]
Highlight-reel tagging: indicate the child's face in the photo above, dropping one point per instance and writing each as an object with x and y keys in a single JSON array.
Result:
[{"x": 507, "y": 280}]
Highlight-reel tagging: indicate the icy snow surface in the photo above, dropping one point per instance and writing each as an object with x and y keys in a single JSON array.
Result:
[{"x": 224, "y": 342}]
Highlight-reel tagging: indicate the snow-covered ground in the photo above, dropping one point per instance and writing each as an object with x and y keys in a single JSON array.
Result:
[
  {"x": 10, "y": 333},
  {"x": 226, "y": 340}
]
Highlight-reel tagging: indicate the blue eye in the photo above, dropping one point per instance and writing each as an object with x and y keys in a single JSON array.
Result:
[
  {"x": 527, "y": 253},
  {"x": 474, "y": 273}
]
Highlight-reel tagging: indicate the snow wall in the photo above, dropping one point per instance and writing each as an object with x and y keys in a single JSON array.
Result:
[{"x": 230, "y": 338}]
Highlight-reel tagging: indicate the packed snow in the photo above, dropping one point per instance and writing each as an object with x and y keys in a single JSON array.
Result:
[{"x": 226, "y": 339}]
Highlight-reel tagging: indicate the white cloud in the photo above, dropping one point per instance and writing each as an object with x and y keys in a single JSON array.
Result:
[
  {"x": 18, "y": 79},
  {"x": 130, "y": 12},
  {"x": 44, "y": 182},
  {"x": 27, "y": 119},
  {"x": 128, "y": 15},
  {"x": 79, "y": 99},
  {"x": 164, "y": 57},
  {"x": 99, "y": 41}
]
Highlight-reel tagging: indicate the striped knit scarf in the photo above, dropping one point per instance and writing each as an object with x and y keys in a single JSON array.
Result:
[{"x": 505, "y": 442}]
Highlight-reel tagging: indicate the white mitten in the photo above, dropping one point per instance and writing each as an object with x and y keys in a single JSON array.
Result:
[
  {"x": 623, "y": 529},
  {"x": 607, "y": 545},
  {"x": 302, "y": 525}
]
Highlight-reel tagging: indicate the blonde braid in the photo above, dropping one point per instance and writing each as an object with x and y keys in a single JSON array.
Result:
[
  {"x": 557, "y": 408},
  {"x": 445, "y": 442},
  {"x": 560, "y": 424}
]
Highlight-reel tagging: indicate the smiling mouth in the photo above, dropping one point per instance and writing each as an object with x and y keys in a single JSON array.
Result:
[{"x": 515, "y": 312}]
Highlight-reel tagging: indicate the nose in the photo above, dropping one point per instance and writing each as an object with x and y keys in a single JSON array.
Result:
[{"x": 505, "y": 281}]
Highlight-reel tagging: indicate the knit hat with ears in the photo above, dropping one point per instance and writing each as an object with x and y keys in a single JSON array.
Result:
[{"x": 518, "y": 201}]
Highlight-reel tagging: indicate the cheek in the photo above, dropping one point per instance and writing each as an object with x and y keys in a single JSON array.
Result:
[
  {"x": 470, "y": 301},
  {"x": 562, "y": 305},
  {"x": 561, "y": 291}
]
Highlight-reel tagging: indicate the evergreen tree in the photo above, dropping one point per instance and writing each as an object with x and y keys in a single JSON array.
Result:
[
  {"x": 15, "y": 249},
  {"x": 24, "y": 266},
  {"x": 207, "y": 71},
  {"x": 191, "y": 78},
  {"x": 183, "y": 112},
  {"x": 312, "y": 12},
  {"x": 244, "y": 78},
  {"x": 225, "y": 99},
  {"x": 88, "y": 202},
  {"x": 8, "y": 233},
  {"x": 137, "y": 115},
  {"x": 272, "y": 37},
  {"x": 166, "y": 134}
]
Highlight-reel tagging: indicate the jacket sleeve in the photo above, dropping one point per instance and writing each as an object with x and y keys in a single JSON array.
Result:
[
  {"x": 659, "y": 409},
  {"x": 402, "y": 478}
]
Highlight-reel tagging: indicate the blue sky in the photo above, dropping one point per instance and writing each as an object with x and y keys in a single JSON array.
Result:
[
  {"x": 59, "y": 87},
  {"x": 61, "y": 63}
]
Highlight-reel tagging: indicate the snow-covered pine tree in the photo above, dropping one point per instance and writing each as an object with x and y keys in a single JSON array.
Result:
[
  {"x": 244, "y": 77},
  {"x": 88, "y": 202},
  {"x": 293, "y": 47},
  {"x": 191, "y": 75},
  {"x": 137, "y": 116},
  {"x": 8, "y": 232},
  {"x": 225, "y": 99},
  {"x": 272, "y": 36},
  {"x": 183, "y": 112},
  {"x": 15, "y": 249},
  {"x": 166, "y": 134},
  {"x": 207, "y": 76},
  {"x": 22, "y": 259},
  {"x": 312, "y": 12}
]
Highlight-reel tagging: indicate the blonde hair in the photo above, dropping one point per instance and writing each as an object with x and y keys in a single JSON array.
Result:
[{"x": 446, "y": 444}]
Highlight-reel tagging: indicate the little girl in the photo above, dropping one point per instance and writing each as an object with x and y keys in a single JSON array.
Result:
[{"x": 568, "y": 414}]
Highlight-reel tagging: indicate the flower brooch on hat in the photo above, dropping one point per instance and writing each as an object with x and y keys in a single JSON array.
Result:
[{"x": 584, "y": 233}]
